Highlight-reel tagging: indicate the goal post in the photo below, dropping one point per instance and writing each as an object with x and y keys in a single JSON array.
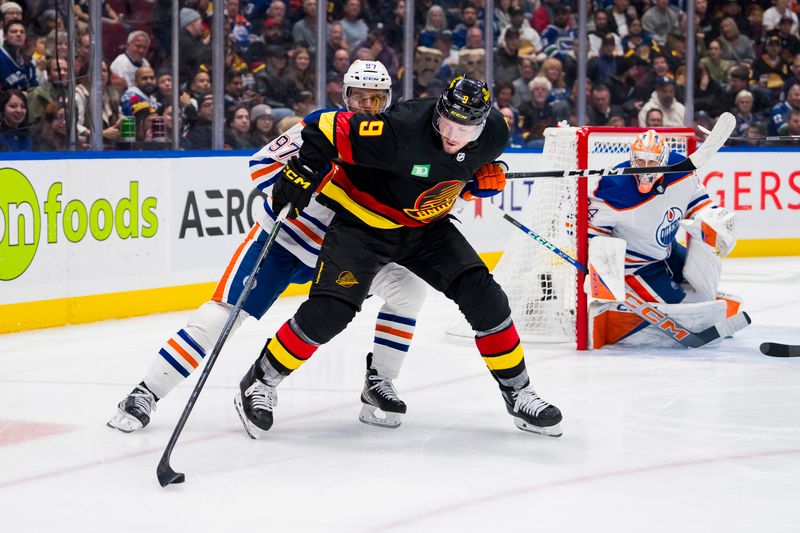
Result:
[{"x": 545, "y": 292}]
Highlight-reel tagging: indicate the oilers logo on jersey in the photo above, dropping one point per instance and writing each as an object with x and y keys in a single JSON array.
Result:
[{"x": 665, "y": 232}]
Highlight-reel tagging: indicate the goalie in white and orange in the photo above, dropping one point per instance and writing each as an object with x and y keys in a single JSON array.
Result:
[{"x": 633, "y": 225}]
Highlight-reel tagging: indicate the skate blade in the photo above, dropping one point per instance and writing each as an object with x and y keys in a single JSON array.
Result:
[
  {"x": 552, "y": 431},
  {"x": 124, "y": 422},
  {"x": 373, "y": 416},
  {"x": 252, "y": 430}
]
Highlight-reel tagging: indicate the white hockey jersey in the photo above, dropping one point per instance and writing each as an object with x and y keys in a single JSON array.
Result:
[
  {"x": 303, "y": 235},
  {"x": 647, "y": 222}
]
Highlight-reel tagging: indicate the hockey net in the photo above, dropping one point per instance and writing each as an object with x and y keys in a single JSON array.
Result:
[{"x": 545, "y": 292}]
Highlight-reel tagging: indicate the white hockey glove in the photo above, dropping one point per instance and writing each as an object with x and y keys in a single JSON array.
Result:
[{"x": 717, "y": 228}]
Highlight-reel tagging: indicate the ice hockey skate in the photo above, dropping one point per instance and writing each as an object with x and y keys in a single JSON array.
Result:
[
  {"x": 133, "y": 413},
  {"x": 533, "y": 414},
  {"x": 254, "y": 402},
  {"x": 382, "y": 407}
]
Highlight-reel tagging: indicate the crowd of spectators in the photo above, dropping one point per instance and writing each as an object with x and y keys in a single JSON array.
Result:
[{"x": 748, "y": 63}]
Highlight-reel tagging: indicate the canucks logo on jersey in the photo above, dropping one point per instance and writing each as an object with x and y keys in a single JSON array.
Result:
[{"x": 666, "y": 231}]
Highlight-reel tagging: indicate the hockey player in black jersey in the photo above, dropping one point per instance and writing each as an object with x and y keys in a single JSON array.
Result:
[{"x": 405, "y": 168}]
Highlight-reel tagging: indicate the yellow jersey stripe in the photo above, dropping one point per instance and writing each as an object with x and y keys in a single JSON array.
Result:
[
  {"x": 325, "y": 125},
  {"x": 502, "y": 362},
  {"x": 283, "y": 356},
  {"x": 338, "y": 195}
]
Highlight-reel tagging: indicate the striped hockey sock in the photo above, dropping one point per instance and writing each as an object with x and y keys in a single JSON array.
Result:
[
  {"x": 287, "y": 351},
  {"x": 178, "y": 358},
  {"x": 393, "y": 334},
  {"x": 502, "y": 352}
]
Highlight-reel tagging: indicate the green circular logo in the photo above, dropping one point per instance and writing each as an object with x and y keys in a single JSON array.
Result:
[{"x": 20, "y": 222}]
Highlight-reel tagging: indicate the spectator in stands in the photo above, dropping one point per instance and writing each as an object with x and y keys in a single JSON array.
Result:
[
  {"x": 536, "y": 113},
  {"x": 195, "y": 49},
  {"x": 736, "y": 47},
  {"x": 8, "y": 11},
  {"x": 660, "y": 21},
  {"x": 200, "y": 134},
  {"x": 376, "y": 41},
  {"x": 300, "y": 73},
  {"x": 435, "y": 21},
  {"x": 469, "y": 20},
  {"x": 111, "y": 113},
  {"x": 599, "y": 69},
  {"x": 395, "y": 26},
  {"x": 515, "y": 137},
  {"x": 83, "y": 50},
  {"x": 659, "y": 69},
  {"x": 237, "y": 121},
  {"x": 772, "y": 67},
  {"x": 601, "y": 110},
  {"x": 599, "y": 36},
  {"x": 773, "y": 16},
  {"x": 354, "y": 26},
  {"x": 732, "y": 9},
  {"x": 14, "y": 132},
  {"x": 50, "y": 90},
  {"x": 474, "y": 39},
  {"x": 274, "y": 33},
  {"x": 81, "y": 9},
  {"x": 663, "y": 98},
  {"x": 530, "y": 43},
  {"x": 638, "y": 38},
  {"x": 271, "y": 83},
  {"x": 792, "y": 125},
  {"x": 304, "y": 31},
  {"x": 544, "y": 15},
  {"x": 333, "y": 91},
  {"x": 506, "y": 58},
  {"x": 503, "y": 94},
  {"x": 164, "y": 86},
  {"x": 552, "y": 70},
  {"x": 286, "y": 123},
  {"x": 336, "y": 43},
  {"x": 502, "y": 16},
  {"x": 780, "y": 113},
  {"x": 51, "y": 131},
  {"x": 340, "y": 61},
  {"x": 654, "y": 118},
  {"x": 625, "y": 92},
  {"x": 16, "y": 70},
  {"x": 793, "y": 77},
  {"x": 558, "y": 39},
  {"x": 619, "y": 16},
  {"x": 744, "y": 113},
  {"x": 234, "y": 89},
  {"x": 303, "y": 103},
  {"x": 708, "y": 94},
  {"x": 123, "y": 68},
  {"x": 262, "y": 125},
  {"x": 141, "y": 94},
  {"x": 713, "y": 62},
  {"x": 527, "y": 70},
  {"x": 739, "y": 80}
]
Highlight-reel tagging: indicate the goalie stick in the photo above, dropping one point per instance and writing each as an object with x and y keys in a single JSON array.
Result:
[
  {"x": 166, "y": 475},
  {"x": 766, "y": 138},
  {"x": 776, "y": 349},
  {"x": 646, "y": 311},
  {"x": 714, "y": 141}
]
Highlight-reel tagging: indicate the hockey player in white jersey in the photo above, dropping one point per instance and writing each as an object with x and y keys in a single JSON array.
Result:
[
  {"x": 367, "y": 89},
  {"x": 646, "y": 211}
]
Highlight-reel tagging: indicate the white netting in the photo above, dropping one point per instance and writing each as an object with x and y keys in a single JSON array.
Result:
[{"x": 541, "y": 287}]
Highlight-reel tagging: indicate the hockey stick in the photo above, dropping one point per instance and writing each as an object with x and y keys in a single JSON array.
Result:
[
  {"x": 714, "y": 141},
  {"x": 166, "y": 475},
  {"x": 761, "y": 138},
  {"x": 776, "y": 349},
  {"x": 646, "y": 311}
]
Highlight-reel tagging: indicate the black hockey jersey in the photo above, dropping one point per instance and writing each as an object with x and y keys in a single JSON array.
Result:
[{"x": 396, "y": 172}]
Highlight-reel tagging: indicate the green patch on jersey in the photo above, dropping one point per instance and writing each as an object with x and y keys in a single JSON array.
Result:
[{"x": 421, "y": 171}]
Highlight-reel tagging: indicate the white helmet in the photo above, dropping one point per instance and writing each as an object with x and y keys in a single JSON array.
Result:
[{"x": 367, "y": 75}]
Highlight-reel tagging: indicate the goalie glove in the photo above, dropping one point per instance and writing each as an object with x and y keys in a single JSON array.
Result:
[
  {"x": 296, "y": 183},
  {"x": 717, "y": 228},
  {"x": 489, "y": 180}
]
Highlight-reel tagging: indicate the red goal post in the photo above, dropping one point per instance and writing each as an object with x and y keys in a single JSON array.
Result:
[{"x": 546, "y": 293}]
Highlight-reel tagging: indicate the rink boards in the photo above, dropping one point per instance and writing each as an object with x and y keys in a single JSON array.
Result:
[{"x": 88, "y": 237}]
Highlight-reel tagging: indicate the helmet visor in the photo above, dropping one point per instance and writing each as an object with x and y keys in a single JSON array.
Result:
[
  {"x": 454, "y": 132},
  {"x": 362, "y": 100}
]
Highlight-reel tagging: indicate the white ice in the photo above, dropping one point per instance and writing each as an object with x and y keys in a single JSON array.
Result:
[{"x": 654, "y": 440}]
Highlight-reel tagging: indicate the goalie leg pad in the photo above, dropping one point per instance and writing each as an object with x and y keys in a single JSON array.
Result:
[
  {"x": 702, "y": 270},
  {"x": 606, "y": 279}
]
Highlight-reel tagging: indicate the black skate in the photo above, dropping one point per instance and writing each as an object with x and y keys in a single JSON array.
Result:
[
  {"x": 133, "y": 412},
  {"x": 381, "y": 406},
  {"x": 254, "y": 402},
  {"x": 533, "y": 414}
]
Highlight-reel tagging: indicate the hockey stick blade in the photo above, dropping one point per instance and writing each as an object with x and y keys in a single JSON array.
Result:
[
  {"x": 726, "y": 328},
  {"x": 166, "y": 475},
  {"x": 776, "y": 349},
  {"x": 715, "y": 140}
]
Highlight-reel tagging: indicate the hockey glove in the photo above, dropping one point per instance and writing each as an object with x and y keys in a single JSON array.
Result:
[
  {"x": 296, "y": 183},
  {"x": 489, "y": 180}
]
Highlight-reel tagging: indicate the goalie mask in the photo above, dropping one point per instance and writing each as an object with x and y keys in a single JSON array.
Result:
[
  {"x": 461, "y": 112},
  {"x": 374, "y": 77},
  {"x": 648, "y": 150}
]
